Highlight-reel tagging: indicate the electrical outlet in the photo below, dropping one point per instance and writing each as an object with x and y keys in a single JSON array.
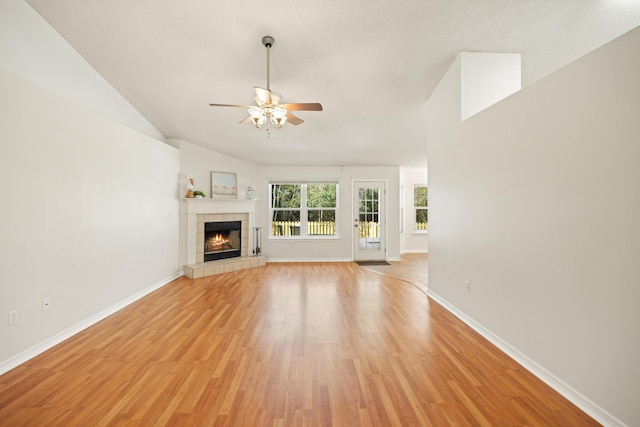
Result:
[
  {"x": 13, "y": 317},
  {"x": 467, "y": 286},
  {"x": 46, "y": 303}
]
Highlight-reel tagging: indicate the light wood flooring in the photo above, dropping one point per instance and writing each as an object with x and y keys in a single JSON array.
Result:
[
  {"x": 287, "y": 344},
  {"x": 412, "y": 268}
]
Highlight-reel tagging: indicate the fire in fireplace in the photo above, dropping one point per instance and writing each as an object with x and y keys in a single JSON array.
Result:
[{"x": 222, "y": 239}]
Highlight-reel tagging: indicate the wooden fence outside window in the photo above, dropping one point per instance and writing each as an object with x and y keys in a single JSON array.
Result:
[{"x": 320, "y": 228}]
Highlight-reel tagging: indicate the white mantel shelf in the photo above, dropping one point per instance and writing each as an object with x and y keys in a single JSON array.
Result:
[{"x": 217, "y": 206}]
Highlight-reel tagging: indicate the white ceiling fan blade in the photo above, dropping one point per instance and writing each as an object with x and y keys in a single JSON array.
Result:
[
  {"x": 263, "y": 95},
  {"x": 276, "y": 98}
]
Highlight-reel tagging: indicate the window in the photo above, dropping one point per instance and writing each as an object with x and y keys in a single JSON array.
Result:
[
  {"x": 304, "y": 209},
  {"x": 420, "y": 204}
]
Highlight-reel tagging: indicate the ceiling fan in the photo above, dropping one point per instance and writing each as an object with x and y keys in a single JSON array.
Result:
[{"x": 269, "y": 106}]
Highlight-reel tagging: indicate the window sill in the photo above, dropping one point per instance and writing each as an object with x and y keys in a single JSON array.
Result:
[{"x": 420, "y": 232}]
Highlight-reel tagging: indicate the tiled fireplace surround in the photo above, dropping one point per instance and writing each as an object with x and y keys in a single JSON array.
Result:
[{"x": 200, "y": 211}]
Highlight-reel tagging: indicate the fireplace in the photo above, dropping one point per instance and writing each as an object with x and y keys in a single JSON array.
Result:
[
  {"x": 201, "y": 211},
  {"x": 222, "y": 239}
]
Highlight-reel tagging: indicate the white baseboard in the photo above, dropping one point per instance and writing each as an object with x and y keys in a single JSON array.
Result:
[
  {"x": 586, "y": 405},
  {"x": 309, "y": 260},
  {"x": 20, "y": 358},
  {"x": 321, "y": 259}
]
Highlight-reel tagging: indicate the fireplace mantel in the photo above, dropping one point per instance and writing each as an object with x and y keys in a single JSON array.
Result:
[{"x": 195, "y": 207}]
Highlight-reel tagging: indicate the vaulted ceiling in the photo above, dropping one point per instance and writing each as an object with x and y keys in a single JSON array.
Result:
[{"x": 372, "y": 64}]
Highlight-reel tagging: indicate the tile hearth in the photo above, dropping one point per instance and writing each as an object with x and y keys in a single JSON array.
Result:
[{"x": 212, "y": 268}]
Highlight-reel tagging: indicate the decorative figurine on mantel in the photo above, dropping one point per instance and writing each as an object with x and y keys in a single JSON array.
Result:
[{"x": 190, "y": 188}]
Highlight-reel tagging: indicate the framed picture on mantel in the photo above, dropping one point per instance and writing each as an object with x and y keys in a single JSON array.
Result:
[{"x": 224, "y": 185}]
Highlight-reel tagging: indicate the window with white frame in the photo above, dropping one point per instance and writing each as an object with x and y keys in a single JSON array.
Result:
[
  {"x": 303, "y": 209},
  {"x": 421, "y": 206}
]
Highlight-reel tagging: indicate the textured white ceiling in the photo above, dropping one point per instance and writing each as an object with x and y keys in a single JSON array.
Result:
[{"x": 371, "y": 63}]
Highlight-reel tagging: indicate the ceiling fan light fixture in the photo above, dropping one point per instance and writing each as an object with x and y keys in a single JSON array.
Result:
[
  {"x": 278, "y": 116},
  {"x": 258, "y": 116}
]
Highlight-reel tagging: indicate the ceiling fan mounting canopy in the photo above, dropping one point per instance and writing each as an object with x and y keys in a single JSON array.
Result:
[
  {"x": 269, "y": 106},
  {"x": 268, "y": 41}
]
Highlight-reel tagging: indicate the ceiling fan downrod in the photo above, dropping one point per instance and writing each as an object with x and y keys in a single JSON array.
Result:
[{"x": 268, "y": 41}]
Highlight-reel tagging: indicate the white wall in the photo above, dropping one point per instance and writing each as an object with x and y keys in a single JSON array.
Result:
[
  {"x": 89, "y": 212},
  {"x": 31, "y": 50},
  {"x": 199, "y": 162},
  {"x": 535, "y": 202},
  {"x": 487, "y": 78},
  {"x": 412, "y": 241},
  {"x": 341, "y": 248},
  {"x": 89, "y": 217}
]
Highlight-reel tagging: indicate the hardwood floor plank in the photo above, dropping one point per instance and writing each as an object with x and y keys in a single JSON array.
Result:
[{"x": 286, "y": 344}]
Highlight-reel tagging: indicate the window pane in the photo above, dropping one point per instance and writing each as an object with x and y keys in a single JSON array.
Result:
[
  {"x": 321, "y": 195},
  {"x": 420, "y": 196},
  {"x": 322, "y": 215},
  {"x": 285, "y": 195},
  {"x": 285, "y": 223},
  {"x": 286, "y": 216},
  {"x": 422, "y": 219},
  {"x": 321, "y": 223}
]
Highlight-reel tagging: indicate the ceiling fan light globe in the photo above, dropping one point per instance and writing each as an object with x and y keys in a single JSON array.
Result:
[
  {"x": 279, "y": 113},
  {"x": 257, "y": 116},
  {"x": 278, "y": 121},
  {"x": 278, "y": 116},
  {"x": 255, "y": 112}
]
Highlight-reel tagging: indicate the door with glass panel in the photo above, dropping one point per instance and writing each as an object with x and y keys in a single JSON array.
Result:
[{"x": 369, "y": 221}]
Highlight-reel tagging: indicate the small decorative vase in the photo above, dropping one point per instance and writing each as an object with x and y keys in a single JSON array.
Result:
[{"x": 251, "y": 192}]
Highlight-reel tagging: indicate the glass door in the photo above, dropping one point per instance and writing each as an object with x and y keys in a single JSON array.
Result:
[{"x": 369, "y": 221}]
